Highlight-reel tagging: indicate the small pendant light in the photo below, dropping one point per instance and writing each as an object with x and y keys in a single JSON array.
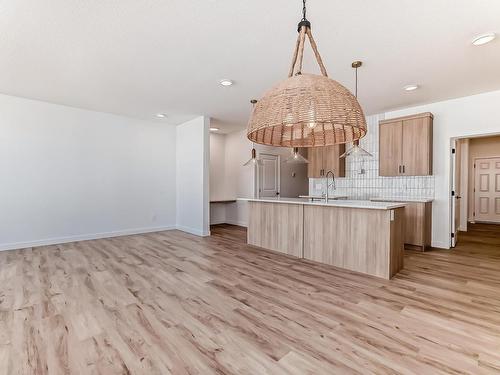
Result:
[
  {"x": 356, "y": 150},
  {"x": 253, "y": 159},
  {"x": 296, "y": 157}
]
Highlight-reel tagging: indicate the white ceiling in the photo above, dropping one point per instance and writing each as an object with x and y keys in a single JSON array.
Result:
[{"x": 138, "y": 58}]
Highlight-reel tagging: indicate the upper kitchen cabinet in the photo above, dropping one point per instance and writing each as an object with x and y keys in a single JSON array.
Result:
[
  {"x": 405, "y": 146},
  {"x": 324, "y": 159}
]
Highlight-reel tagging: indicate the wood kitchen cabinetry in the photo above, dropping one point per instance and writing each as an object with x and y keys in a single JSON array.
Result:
[
  {"x": 418, "y": 225},
  {"x": 405, "y": 146},
  {"x": 417, "y": 222},
  {"x": 324, "y": 159}
]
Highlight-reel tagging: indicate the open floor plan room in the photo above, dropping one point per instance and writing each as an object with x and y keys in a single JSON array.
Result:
[{"x": 194, "y": 187}]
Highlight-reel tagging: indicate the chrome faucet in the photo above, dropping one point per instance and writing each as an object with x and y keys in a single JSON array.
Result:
[{"x": 328, "y": 185}]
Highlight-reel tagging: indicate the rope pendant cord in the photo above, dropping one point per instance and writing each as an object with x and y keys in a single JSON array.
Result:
[
  {"x": 298, "y": 55},
  {"x": 294, "y": 58},
  {"x": 316, "y": 53}
]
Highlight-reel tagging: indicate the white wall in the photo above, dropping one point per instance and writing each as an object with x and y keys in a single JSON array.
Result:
[
  {"x": 463, "y": 117},
  {"x": 70, "y": 174},
  {"x": 192, "y": 177},
  {"x": 218, "y": 178},
  {"x": 240, "y": 180},
  {"x": 217, "y": 167}
]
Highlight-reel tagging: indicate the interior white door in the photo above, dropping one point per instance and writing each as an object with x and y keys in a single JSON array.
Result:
[
  {"x": 487, "y": 190},
  {"x": 269, "y": 175}
]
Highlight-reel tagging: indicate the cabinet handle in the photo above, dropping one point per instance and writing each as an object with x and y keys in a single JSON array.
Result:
[
  {"x": 403, "y": 169},
  {"x": 399, "y": 169}
]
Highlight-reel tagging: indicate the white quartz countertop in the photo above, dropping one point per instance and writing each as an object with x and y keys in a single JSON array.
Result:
[
  {"x": 321, "y": 197},
  {"x": 333, "y": 203},
  {"x": 402, "y": 199}
]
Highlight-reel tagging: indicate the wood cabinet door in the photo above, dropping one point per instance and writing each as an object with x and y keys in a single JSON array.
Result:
[
  {"x": 315, "y": 166},
  {"x": 414, "y": 223},
  {"x": 390, "y": 148},
  {"x": 417, "y": 149},
  {"x": 333, "y": 162}
]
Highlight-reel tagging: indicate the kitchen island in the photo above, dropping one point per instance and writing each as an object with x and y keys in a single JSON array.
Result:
[{"x": 361, "y": 236}]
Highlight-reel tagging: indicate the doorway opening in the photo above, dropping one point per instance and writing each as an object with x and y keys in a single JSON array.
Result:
[
  {"x": 475, "y": 182},
  {"x": 276, "y": 176}
]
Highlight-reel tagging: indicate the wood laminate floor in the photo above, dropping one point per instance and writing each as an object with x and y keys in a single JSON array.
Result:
[{"x": 173, "y": 303}]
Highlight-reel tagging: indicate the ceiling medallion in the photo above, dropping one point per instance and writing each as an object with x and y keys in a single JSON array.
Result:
[{"x": 306, "y": 110}]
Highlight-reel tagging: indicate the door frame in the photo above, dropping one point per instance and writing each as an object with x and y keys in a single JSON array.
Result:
[
  {"x": 452, "y": 144},
  {"x": 259, "y": 166},
  {"x": 474, "y": 187},
  {"x": 453, "y": 193}
]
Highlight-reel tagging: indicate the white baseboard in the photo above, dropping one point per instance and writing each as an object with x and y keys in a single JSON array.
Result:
[
  {"x": 194, "y": 231},
  {"x": 220, "y": 221},
  {"x": 440, "y": 245},
  {"x": 239, "y": 223},
  {"x": 82, "y": 237}
]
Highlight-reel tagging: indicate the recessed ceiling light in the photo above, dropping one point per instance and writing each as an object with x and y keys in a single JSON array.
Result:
[
  {"x": 161, "y": 115},
  {"x": 483, "y": 39},
  {"x": 410, "y": 87},
  {"x": 226, "y": 82},
  {"x": 212, "y": 129}
]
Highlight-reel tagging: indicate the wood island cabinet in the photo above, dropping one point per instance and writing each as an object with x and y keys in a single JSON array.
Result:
[
  {"x": 362, "y": 237},
  {"x": 418, "y": 225},
  {"x": 405, "y": 146},
  {"x": 324, "y": 159}
]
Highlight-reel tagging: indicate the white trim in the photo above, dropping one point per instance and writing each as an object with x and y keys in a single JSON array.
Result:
[
  {"x": 440, "y": 245},
  {"x": 82, "y": 237},
  {"x": 196, "y": 232},
  {"x": 452, "y": 197},
  {"x": 238, "y": 223}
]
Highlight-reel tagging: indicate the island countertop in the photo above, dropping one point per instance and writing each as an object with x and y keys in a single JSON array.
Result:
[
  {"x": 336, "y": 203},
  {"x": 402, "y": 199}
]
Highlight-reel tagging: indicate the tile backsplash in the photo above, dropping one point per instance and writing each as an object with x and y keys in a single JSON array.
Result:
[{"x": 357, "y": 185}]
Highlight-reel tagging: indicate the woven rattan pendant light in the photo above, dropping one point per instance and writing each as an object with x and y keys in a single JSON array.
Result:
[{"x": 306, "y": 110}]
